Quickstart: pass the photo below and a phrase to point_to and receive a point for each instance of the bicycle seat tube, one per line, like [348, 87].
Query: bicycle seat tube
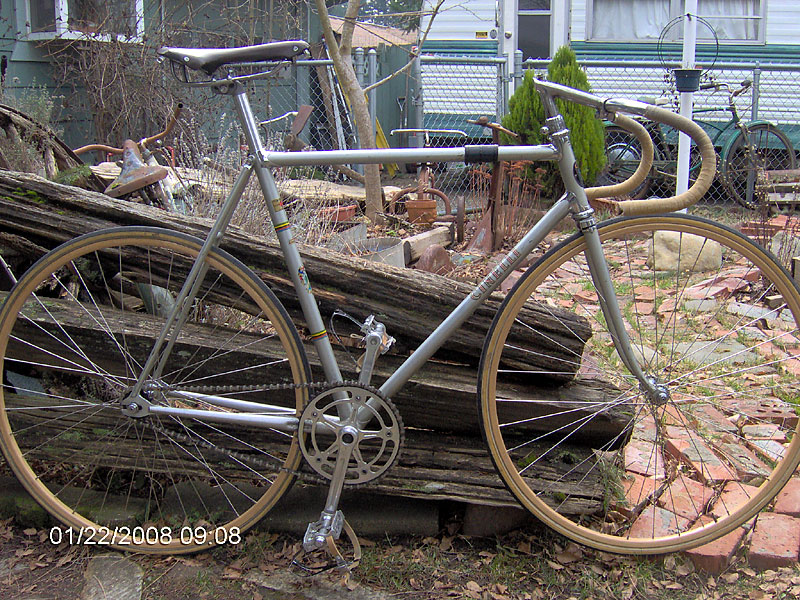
[283, 230]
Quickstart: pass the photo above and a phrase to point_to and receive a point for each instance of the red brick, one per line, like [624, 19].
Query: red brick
[775, 542]
[769, 449]
[645, 458]
[764, 431]
[637, 489]
[763, 411]
[791, 366]
[788, 501]
[686, 497]
[693, 451]
[713, 419]
[734, 495]
[715, 556]
[747, 465]
[657, 522]
[511, 280]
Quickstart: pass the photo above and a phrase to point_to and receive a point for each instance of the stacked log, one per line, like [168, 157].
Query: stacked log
[444, 456]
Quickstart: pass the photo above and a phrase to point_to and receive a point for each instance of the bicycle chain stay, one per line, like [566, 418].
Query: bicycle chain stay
[311, 477]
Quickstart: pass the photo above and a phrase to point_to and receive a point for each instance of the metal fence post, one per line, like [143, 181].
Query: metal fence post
[358, 65]
[372, 77]
[517, 69]
[502, 82]
[417, 100]
[756, 92]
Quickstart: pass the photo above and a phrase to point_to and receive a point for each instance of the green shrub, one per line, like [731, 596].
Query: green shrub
[526, 117]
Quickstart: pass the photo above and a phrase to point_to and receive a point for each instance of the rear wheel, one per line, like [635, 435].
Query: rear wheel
[74, 334]
[623, 155]
[772, 151]
[585, 449]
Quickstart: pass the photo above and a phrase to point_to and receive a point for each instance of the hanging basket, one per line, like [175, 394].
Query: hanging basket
[687, 80]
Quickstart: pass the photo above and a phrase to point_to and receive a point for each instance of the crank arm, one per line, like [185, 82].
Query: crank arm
[331, 519]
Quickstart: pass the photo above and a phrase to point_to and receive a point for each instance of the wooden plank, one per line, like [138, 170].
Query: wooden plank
[415, 245]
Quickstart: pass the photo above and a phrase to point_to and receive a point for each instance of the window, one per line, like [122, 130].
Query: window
[638, 20]
[533, 27]
[95, 19]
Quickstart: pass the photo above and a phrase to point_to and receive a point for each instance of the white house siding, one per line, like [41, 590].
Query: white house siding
[461, 20]
[783, 22]
[577, 28]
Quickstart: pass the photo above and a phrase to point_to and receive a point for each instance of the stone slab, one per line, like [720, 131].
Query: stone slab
[112, 576]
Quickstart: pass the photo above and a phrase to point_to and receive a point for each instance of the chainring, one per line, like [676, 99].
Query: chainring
[376, 446]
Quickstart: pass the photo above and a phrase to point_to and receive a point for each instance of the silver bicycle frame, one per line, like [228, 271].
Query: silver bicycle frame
[573, 202]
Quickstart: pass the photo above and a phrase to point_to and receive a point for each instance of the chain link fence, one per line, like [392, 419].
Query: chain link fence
[441, 94]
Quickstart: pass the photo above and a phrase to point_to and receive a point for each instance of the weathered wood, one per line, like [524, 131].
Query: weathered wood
[415, 245]
[431, 466]
[411, 303]
[56, 154]
[442, 396]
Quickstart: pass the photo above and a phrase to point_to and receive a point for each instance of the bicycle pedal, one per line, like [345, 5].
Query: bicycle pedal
[318, 532]
[332, 554]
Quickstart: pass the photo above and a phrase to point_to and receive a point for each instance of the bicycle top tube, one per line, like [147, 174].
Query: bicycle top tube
[467, 154]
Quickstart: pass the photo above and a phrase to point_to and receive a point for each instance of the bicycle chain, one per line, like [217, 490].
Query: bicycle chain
[303, 475]
[312, 385]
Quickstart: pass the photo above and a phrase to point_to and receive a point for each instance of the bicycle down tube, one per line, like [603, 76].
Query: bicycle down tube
[573, 202]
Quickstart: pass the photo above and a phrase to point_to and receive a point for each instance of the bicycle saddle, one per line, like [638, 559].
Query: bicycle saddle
[135, 174]
[209, 60]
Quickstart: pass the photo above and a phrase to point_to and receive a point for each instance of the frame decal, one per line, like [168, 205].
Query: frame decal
[497, 273]
[301, 272]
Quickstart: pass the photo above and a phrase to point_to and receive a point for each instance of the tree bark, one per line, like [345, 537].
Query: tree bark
[340, 53]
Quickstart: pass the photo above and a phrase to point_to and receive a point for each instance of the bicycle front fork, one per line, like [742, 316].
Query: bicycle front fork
[654, 391]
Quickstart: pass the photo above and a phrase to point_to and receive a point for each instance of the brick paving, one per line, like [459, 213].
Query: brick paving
[703, 459]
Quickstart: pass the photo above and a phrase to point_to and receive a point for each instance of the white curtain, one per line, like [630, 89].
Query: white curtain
[628, 20]
[722, 16]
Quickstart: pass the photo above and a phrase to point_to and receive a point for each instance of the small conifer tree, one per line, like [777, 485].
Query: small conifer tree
[526, 116]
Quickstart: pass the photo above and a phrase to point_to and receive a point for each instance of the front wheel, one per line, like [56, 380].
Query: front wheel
[713, 319]
[771, 151]
[74, 334]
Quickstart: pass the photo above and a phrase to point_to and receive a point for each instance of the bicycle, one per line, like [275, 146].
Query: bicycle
[199, 421]
[142, 175]
[747, 148]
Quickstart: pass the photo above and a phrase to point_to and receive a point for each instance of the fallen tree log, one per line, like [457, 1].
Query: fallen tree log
[411, 303]
[431, 466]
[442, 458]
[440, 397]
